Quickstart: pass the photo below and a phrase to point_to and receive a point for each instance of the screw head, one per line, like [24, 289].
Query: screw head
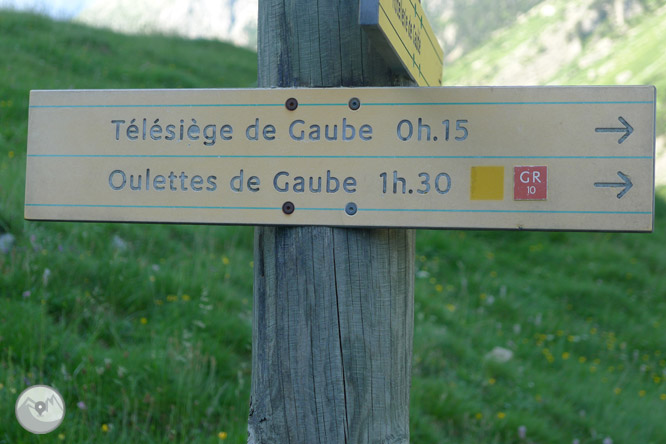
[288, 207]
[291, 104]
[351, 208]
[354, 103]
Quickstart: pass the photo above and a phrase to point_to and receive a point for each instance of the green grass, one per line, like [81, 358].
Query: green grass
[583, 314]
[636, 56]
[149, 326]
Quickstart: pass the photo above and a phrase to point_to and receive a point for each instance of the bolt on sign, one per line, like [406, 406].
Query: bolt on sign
[402, 34]
[543, 158]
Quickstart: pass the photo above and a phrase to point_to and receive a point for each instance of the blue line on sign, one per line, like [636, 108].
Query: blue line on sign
[591, 102]
[314, 156]
[502, 211]
[190, 207]
[319, 209]
[194, 105]
[405, 210]
[175, 105]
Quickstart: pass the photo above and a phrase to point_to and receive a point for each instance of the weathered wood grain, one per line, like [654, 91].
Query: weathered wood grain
[333, 307]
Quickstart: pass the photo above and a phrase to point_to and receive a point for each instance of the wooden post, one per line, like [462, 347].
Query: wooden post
[333, 308]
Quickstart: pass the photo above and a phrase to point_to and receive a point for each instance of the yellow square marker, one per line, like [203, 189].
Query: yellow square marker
[487, 183]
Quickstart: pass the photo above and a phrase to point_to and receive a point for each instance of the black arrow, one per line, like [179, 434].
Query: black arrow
[626, 184]
[627, 130]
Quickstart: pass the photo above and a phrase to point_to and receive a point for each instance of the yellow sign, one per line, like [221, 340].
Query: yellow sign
[402, 32]
[562, 158]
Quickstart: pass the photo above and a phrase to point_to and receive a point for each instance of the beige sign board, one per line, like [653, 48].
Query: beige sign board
[555, 158]
[400, 31]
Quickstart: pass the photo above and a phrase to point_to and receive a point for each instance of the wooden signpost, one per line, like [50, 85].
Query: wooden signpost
[333, 307]
[562, 158]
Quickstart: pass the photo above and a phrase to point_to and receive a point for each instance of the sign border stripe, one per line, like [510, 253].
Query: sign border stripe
[258, 105]
[406, 210]
[314, 156]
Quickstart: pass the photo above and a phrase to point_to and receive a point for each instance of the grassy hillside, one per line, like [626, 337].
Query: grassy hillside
[463, 25]
[146, 329]
[555, 44]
